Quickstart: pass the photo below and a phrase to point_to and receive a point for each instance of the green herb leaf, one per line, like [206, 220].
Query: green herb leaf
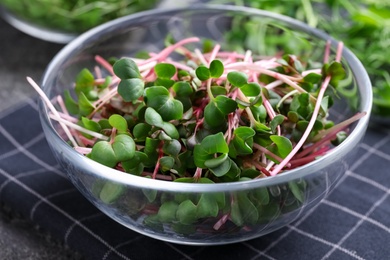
[182, 88]
[124, 147]
[84, 82]
[119, 122]
[153, 118]
[242, 141]
[131, 89]
[207, 206]
[160, 99]
[283, 144]
[251, 89]
[213, 116]
[172, 147]
[225, 105]
[277, 120]
[102, 152]
[85, 106]
[206, 150]
[216, 69]
[70, 104]
[203, 73]
[91, 124]
[111, 192]
[336, 71]
[167, 212]
[186, 212]
[166, 163]
[126, 68]
[165, 70]
[237, 78]
[141, 131]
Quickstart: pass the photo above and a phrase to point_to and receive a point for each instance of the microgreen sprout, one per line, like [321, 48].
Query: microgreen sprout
[206, 119]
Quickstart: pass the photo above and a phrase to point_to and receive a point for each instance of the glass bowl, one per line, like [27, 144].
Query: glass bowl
[63, 20]
[275, 201]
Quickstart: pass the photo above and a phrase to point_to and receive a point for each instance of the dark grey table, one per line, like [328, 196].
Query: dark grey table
[21, 56]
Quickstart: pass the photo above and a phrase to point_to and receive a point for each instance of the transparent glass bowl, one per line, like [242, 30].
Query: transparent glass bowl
[61, 21]
[138, 199]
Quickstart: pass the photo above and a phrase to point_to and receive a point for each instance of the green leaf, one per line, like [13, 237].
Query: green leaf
[118, 122]
[150, 194]
[136, 164]
[207, 206]
[235, 214]
[216, 69]
[111, 192]
[251, 89]
[203, 73]
[124, 147]
[91, 124]
[131, 89]
[153, 118]
[126, 68]
[336, 71]
[237, 79]
[215, 162]
[150, 149]
[172, 147]
[223, 166]
[186, 212]
[166, 163]
[166, 83]
[215, 144]
[70, 104]
[165, 70]
[249, 213]
[141, 131]
[283, 144]
[295, 189]
[242, 140]
[277, 120]
[167, 212]
[313, 78]
[85, 106]
[324, 106]
[160, 99]
[170, 130]
[213, 116]
[293, 116]
[102, 152]
[182, 89]
[218, 90]
[225, 105]
[261, 196]
[215, 112]
[206, 150]
[84, 82]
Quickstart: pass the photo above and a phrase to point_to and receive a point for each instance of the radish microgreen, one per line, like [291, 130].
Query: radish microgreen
[221, 121]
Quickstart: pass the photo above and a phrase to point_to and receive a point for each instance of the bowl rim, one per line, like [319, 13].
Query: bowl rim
[128, 179]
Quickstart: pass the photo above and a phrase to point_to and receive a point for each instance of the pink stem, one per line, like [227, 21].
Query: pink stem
[168, 50]
[104, 63]
[280, 166]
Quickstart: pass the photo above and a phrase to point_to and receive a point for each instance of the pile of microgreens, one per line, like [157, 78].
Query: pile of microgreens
[219, 116]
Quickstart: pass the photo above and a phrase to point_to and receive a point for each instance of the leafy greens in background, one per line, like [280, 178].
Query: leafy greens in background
[363, 26]
[74, 15]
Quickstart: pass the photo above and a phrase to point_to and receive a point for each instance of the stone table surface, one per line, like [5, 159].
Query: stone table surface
[21, 56]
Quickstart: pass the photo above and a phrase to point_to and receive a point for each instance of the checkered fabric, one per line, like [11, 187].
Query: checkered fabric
[352, 223]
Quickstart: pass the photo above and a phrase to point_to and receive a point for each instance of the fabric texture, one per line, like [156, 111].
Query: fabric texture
[351, 223]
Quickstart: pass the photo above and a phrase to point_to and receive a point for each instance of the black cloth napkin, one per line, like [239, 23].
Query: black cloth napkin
[351, 223]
